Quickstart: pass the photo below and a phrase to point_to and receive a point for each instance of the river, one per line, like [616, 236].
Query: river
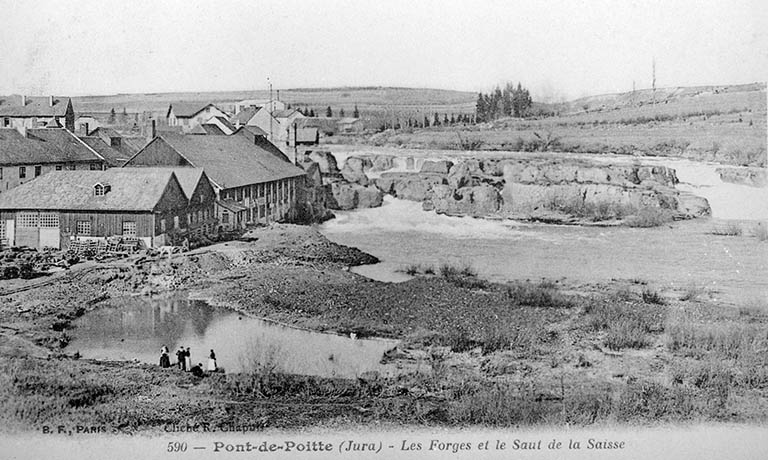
[674, 257]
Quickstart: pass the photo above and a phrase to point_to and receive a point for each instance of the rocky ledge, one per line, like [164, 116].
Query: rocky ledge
[570, 191]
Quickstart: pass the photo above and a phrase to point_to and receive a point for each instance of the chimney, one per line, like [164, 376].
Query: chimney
[50, 101]
[152, 132]
[23, 100]
[278, 94]
[85, 126]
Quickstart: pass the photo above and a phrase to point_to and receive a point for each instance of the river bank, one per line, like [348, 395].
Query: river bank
[488, 353]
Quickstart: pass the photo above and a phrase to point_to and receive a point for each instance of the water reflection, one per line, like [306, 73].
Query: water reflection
[136, 328]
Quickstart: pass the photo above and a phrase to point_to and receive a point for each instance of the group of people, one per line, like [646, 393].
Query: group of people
[184, 361]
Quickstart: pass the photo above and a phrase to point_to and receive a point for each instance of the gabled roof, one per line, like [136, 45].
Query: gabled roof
[254, 130]
[284, 113]
[44, 145]
[244, 116]
[10, 106]
[188, 109]
[224, 123]
[228, 161]
[135, 189]
[113, 156]
[188, 177]
[212, 130]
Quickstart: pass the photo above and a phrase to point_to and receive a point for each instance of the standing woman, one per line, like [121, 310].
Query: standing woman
[188, 359]
[165, 361]
[212, 362]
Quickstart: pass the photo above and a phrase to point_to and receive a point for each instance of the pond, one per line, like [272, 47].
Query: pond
[136, 328]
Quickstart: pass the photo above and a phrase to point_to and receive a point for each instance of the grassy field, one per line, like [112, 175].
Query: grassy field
[727, 126]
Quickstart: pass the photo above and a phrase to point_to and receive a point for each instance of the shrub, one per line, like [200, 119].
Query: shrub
[543, 295]
[652, 297]
[692, 292]
[649, 217]
[627, 325]
[412, 269]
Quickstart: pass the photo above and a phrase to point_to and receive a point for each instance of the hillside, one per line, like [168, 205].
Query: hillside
[368, 99]
[725, 123]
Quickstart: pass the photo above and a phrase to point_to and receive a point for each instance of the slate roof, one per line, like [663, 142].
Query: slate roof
[245, 115]
[113, 156]
[284, 113]
[212, 130]
[188, 177]
[135, 189]
[230, 161]
[10, 106]
[188, 109]
[44, 145]
[226, 123]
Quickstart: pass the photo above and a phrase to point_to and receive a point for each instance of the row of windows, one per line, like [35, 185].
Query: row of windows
[83, 228]
[39, 169]
[192, 218]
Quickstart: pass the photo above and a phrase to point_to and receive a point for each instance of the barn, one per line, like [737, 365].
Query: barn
[148, 204]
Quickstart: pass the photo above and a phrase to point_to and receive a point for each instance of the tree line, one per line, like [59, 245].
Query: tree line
[510, 101]
[310, 112]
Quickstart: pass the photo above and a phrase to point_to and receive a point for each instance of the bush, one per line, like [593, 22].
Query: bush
[649, 217]
[627, 325]
[543, 295]
[652, 297]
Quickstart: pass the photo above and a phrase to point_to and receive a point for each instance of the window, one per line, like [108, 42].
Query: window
[72, 167]
[162, 225]
[175, 221]
[38, 170]
[59, 167]
[95, 167]
[129, 228]
[22, 172]
[6, 122]
[1, 173]
[49, 220]
[189, 219]
[84, 227]
[27, 220]
[224, 217]
[98, 190]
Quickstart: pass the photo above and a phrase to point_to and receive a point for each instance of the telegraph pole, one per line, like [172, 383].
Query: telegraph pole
[653, 84]
[271, 110]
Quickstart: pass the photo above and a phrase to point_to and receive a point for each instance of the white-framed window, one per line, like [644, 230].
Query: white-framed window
[22, 172]
[224, 217]
[84, 227]
[38, 170]
[129, 228]
[27, 219]
[98, 190]
[2, 232]
[59, 167]
[49, 220]
[95, 167]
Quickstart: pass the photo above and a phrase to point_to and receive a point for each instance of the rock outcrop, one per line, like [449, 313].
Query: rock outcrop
[438, 167]
[478, 201]
[541, 188]
[354, 170]
[409, 186]
[345, 196]
[753, 177]
[325, 160]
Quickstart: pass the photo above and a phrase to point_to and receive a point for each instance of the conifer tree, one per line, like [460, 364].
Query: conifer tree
[328, 112]
[356, 113]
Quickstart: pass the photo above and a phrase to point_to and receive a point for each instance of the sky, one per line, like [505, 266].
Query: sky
[558, 49]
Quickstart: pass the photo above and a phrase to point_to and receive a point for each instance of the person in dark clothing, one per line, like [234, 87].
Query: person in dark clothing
[212, 367]
[197, 370]
[165, 360]
[181, 357]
